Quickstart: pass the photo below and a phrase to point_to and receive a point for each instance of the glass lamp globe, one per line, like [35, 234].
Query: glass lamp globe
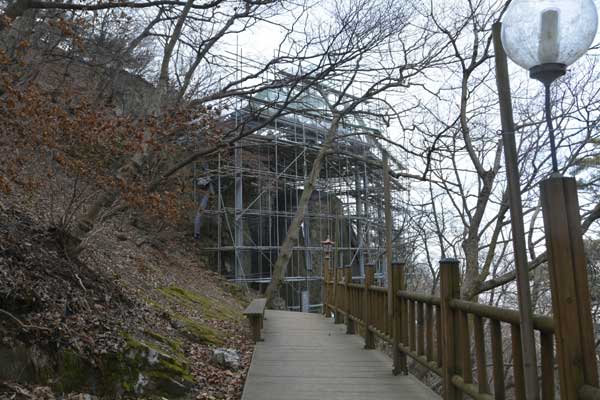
[550, 33]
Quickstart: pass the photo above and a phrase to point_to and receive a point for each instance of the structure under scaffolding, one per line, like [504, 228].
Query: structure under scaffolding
[250, 195]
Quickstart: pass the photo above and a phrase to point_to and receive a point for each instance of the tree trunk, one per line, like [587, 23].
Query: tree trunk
[163, 79]
[126, 173]
[285, 252]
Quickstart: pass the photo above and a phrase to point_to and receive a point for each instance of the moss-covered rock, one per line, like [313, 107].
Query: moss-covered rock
[73, 373]
[152, 365]
[143, 368]
[151, 371]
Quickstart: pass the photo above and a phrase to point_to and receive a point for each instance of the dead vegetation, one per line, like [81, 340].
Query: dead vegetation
[128, 288]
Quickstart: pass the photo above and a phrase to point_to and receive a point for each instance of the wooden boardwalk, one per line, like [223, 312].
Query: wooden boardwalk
[305, 357]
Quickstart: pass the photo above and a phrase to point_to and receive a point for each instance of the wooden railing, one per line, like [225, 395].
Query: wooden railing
[453, 338]
[420, 335]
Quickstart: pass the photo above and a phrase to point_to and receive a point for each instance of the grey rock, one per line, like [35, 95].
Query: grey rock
[226, 358]
[177, 324]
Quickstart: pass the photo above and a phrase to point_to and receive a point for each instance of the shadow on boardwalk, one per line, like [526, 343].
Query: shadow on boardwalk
[305, 356]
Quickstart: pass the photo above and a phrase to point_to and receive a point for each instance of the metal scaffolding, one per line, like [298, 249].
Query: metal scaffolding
[256, 186]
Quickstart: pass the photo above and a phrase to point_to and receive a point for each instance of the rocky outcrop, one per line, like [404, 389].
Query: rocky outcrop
[141, 369]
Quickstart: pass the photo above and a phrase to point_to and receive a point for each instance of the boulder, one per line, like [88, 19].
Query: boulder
[226, 358]
[153, 372]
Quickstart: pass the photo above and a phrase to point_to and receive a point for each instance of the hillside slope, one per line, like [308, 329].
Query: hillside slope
[134, 316]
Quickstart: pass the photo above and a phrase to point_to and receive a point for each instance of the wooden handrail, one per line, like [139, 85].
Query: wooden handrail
[431, 365]
[421, 298]
[541, 323]
[416, 330]
[378, 289]
[470, 389]
[436, 331]
[419, 323]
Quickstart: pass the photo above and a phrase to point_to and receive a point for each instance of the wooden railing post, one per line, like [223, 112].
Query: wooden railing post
[325, 283]
[398, 319]
[570, 292]
[326, 258]
[350, 328]
[333, 276]
[450, 289]
[338, 293]
[369, 279]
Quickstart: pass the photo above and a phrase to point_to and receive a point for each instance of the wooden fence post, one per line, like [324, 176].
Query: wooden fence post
[450, 289]
[369, 279]
[398, 319]
[569, 284]
[338, 293]
[326, 284]
[350, 328]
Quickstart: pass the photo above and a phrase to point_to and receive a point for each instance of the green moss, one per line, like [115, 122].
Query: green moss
[168, 369]
[74, 373]
[174, 345]
[115, 375]
[211, 309]
[199, 332]
[119, 374]
[157, 306]
[127, 386]
[141, 346]
[132, 343]
[238, 292]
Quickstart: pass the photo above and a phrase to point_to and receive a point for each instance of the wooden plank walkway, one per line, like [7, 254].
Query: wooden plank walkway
[305, 356]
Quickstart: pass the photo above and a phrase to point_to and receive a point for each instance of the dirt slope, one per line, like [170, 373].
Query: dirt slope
[135, 316]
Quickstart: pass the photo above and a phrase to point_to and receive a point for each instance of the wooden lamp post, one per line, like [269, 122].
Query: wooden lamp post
[544, 37]
[327, 246]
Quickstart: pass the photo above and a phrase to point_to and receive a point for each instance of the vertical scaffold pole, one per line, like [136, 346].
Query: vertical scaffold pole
[239, 206]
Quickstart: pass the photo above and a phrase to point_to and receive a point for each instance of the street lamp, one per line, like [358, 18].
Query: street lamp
[546, 36]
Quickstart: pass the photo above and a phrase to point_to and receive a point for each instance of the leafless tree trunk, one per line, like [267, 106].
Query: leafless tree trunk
[163, 79]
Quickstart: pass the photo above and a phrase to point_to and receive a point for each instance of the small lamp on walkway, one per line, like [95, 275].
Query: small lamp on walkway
[546, 36]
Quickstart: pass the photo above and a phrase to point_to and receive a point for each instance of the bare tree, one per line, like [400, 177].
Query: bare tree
[385, 57]
[458, 123]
